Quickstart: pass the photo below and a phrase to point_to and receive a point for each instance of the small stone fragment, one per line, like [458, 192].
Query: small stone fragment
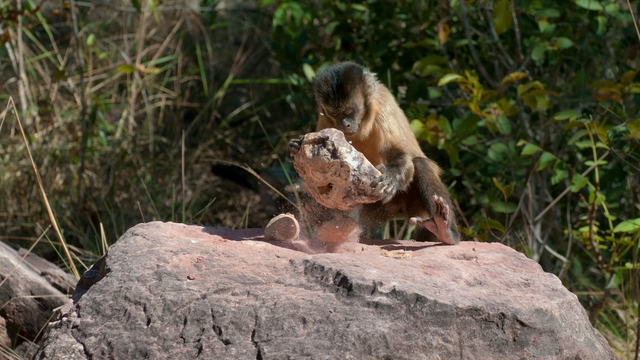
[283, 227]
[398, 254]
[191, 277]
[338, 231]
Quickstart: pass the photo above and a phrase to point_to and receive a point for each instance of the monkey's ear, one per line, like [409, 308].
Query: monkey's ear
[371, 81]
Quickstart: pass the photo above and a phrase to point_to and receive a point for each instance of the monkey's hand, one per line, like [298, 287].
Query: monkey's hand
[438, 224]
[388, 184]
[293, 148]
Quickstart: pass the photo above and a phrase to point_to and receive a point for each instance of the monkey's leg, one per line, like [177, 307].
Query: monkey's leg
[438, 224]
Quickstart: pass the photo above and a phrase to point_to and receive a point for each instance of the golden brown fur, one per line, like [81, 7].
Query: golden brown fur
[351, 99]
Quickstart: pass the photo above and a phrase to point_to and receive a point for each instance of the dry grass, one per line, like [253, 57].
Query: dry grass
[105, 97]
[121, 113]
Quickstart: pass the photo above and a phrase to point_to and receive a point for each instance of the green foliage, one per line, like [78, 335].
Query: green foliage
[543, 102]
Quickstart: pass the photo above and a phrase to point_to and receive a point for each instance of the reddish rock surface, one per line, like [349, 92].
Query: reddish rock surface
[336, 174]
[250, 299]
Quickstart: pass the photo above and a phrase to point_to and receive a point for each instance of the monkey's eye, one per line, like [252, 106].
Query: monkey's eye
[348, 111]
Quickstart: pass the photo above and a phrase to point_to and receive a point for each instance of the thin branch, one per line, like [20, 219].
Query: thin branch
[593, 208]
[635, 23]
[566, 191]
[22, 75]
[516, 29]
[510, 63]
[472, 49]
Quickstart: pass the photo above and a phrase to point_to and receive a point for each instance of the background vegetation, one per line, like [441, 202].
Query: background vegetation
[529, 106]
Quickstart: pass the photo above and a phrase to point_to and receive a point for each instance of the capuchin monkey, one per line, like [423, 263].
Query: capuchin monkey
[352, 100]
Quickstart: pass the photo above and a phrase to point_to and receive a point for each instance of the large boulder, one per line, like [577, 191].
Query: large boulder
[174, 291]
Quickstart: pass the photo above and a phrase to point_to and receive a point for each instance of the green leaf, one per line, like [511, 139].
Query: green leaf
[266, 2]
[490, 224]
[633, 88]
[417, 127]
[524, 88]
[599, 163]
[470, 141]
[448, 78]
[545, 160]
[514, 76]
[628, 226]
[612, 8]
[566, 114]
[308, 71]
[506, 191]
[538, 52]
[91, 39]
[559, 172]
[576, 136]
[59, 74]
[503, 124]
[564, 43]
[530, 149]
[578, 182]
[434, 93]
[545, 27]
[583, 144]
[498, 152]
[331, 26]
[359, 7]
[536, 102]
[127, 69]
[502, 18]
[465, 127]
[549, 13]
[452, 151]
[590, 5]
[602, 25]
[503, 207]
[136, 4]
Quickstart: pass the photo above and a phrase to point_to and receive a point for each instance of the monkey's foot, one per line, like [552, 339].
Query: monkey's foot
[438, 224]
[283, 228]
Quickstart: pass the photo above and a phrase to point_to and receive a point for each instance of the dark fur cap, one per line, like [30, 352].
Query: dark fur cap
[337, 83]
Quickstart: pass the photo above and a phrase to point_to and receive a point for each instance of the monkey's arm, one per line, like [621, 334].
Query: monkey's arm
[397, 173]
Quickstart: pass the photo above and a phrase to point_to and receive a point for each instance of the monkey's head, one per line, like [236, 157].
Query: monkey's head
[343, 93]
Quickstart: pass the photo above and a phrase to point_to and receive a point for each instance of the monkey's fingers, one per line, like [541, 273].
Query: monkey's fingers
[380, 183]
[387, 197]
[293, 147]
[381, 168]
[385, 187]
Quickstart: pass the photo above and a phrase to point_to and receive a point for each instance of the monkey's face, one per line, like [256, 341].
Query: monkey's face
[345, 118]
[342, 93]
